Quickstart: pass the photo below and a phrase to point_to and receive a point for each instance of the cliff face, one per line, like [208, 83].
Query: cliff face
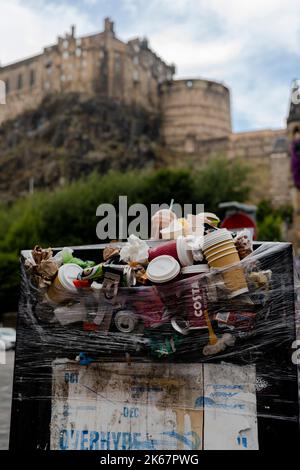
[69, 136]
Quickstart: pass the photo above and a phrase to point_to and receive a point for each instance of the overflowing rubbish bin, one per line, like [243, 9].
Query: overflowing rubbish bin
[157, 345]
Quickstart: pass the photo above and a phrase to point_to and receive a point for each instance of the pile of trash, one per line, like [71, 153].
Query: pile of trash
[192, 282]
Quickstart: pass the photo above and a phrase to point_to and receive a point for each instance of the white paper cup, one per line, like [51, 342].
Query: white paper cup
[62, 287]
[184, 252]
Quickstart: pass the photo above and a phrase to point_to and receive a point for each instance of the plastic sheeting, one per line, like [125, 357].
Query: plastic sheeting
[189, 321]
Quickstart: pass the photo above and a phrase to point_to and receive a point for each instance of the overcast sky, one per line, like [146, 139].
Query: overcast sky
[253, 46]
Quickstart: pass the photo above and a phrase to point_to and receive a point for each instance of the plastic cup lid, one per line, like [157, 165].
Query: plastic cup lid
[163, 269]
[195, 269]
[215, 237]
[175, 228]
[67, 274]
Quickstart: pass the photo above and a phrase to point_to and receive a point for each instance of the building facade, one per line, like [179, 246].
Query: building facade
[196, 114]
[128, 72]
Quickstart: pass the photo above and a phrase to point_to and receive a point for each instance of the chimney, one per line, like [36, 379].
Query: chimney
[73, 31]
[109, 26]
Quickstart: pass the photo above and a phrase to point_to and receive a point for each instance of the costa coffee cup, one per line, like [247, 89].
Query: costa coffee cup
[150, 307]
[193, 303]
[62, 287]
[178, 249]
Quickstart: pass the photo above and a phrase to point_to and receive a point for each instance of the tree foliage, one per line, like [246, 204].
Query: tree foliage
[67, 216]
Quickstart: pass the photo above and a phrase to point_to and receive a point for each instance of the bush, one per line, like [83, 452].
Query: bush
[270, 220]
[270, 228]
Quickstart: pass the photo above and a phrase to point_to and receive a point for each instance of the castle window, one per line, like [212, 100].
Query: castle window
[66, 44]
[190, 144]
[62, 77]
[189, 84]
[7, 86]
[78, 42]
[65, 55]
[136, 60]
[135, 76]
[32, 78]
[20, 81]
[78, 52]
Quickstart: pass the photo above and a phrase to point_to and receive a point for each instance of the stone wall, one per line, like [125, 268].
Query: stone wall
[270, 166]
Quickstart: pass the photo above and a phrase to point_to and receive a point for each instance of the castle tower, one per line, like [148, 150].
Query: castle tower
[194, 111]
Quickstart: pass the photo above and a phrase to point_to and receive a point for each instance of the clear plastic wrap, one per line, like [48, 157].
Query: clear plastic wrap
[194, 346]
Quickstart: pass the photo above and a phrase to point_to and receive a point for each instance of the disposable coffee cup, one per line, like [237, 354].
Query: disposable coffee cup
[164, 248]
[161, 220]
[223, 259]
[178, 249]
[233, 275]
[192, 300]
[149, 306]
[221, 253]
[212, 239]
[163, 269]
[235, 281]
[221, 245]
[185, 254]
[62, 287]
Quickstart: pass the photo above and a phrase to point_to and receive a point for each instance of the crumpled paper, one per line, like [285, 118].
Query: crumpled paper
[135, 251]
[41, 266]
[110, 252]
[195, 243]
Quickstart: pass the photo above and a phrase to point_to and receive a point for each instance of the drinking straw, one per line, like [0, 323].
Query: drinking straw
[171, 204]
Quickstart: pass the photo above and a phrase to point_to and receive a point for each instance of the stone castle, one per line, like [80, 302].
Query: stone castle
[196, 115]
